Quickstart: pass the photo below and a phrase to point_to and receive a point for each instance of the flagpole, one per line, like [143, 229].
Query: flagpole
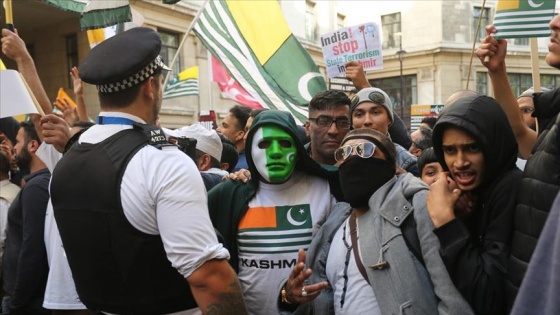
[535, 69]
[9, 16]
[474, 42]
[196, 17]
[211, 76]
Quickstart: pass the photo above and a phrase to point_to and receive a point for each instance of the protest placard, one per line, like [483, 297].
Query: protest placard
[15, 96]
[361, 43]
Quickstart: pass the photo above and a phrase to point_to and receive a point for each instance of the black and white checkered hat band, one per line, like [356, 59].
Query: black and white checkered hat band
[135, 79]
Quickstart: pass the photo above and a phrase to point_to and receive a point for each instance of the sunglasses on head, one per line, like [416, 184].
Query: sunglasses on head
[326, 121]
[375, 96]
[364, 150]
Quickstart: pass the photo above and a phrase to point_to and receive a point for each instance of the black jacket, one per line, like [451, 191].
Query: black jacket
[25, 262]
[475, 248]
[540, 184]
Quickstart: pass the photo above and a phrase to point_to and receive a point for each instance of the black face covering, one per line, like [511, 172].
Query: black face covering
[360, 178]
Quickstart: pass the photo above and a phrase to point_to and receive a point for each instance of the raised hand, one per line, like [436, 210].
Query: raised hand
[441, 199]
[297, 290]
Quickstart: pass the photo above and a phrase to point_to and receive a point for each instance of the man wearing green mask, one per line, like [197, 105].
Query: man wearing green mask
[264, 222]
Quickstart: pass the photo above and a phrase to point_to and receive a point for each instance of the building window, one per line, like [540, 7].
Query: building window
[520, 82]
[392, 86]
[170, 44]
[481, 83]
[391, 24]
[310, 21]
[519, 41]
[484, 20]
[340, 20]
[71, 56]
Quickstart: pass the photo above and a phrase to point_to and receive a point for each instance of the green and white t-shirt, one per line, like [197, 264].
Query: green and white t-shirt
[280, 220]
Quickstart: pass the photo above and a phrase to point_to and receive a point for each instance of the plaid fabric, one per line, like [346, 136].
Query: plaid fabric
[133, 80]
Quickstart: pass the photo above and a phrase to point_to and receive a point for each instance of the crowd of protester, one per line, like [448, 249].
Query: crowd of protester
[349, 213]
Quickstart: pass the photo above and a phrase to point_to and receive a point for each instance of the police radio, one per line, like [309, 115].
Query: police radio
[188, 146]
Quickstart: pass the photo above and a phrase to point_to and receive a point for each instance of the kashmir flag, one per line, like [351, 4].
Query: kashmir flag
[185, 83]
[96, 36]
[96, 14]
[281, 229]
[230, 88]
[523, 18]
[253, 41]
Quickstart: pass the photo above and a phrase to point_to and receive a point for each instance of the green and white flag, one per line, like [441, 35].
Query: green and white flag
[523, 18]
[185, 83]
[95, 13]
[254, 43]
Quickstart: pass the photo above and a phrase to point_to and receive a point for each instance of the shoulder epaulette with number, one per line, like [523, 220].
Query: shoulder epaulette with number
[156, 136]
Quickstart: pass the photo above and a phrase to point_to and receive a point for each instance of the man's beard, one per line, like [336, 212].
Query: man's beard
[23, 159]
[155, 110]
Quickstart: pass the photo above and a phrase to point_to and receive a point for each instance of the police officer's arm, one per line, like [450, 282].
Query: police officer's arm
[496, 50]
[215, 287]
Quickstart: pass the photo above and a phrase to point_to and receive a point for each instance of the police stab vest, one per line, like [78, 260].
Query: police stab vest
[116, 268]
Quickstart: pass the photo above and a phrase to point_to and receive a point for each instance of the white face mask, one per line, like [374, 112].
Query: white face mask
[274, 154]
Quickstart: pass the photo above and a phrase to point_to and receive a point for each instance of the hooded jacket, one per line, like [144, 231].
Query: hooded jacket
[228, 201]
[407, 286]
[539, 186]
[475, 248]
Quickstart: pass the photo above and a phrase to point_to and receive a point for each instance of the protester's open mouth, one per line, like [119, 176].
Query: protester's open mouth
[465, 178]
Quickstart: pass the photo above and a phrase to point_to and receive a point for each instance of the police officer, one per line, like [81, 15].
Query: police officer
[131, 210]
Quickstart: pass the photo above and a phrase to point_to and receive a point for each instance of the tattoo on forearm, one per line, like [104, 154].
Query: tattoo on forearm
[230, 302]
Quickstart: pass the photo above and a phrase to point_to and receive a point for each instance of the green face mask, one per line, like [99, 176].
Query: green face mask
[274, 153]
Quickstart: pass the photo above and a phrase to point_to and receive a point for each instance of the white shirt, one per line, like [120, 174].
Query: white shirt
[60, 292]
[359, 297]
[280, 220]
[162, 193]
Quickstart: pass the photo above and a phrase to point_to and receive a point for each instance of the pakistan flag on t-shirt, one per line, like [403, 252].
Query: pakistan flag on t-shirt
[282, 229]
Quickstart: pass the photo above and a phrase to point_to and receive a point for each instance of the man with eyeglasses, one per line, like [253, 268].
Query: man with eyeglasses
[377, 254]
[421, 140]
[329, 121]
[527, 106]
[264, 221]
[372, 108]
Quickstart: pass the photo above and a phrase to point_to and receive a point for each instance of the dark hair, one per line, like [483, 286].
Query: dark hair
[428, 156]
[229, 152]
[124, 98]
[241, 114]
[385, 141]
[83, 124]
[430, 121]
[213, 162]
[256, 111]
[29, 131]
[425, 140]
[4, 164]
[329, 99]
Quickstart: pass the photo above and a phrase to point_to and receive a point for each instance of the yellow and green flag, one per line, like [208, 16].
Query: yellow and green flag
[254, 43]
[523, 18]
[185, 83]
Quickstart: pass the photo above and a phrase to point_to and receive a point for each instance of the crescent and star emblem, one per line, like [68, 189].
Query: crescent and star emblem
[291, 219]
[533, 4]
[302, 85]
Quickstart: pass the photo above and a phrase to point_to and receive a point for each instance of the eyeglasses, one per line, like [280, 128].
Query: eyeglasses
[527, 110]
[375, 96]
[326, 121]
[364, 150]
